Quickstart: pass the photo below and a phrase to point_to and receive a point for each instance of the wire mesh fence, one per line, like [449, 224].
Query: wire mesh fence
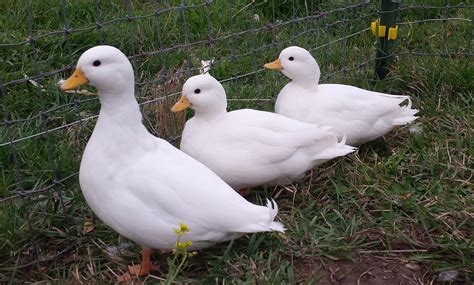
[43, 131]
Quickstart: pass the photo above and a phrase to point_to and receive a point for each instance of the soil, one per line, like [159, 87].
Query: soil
[366, 269]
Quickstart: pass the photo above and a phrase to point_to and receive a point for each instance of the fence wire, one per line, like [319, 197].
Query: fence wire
[43, 131]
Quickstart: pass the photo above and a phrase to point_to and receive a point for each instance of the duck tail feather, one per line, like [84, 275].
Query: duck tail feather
[406, 114]
[273, 211]
[343, 139]
[340, 149]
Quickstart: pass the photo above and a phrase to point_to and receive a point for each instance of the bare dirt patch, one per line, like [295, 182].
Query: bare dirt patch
[366, 269]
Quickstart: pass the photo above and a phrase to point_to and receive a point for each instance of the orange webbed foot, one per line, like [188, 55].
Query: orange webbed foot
[145, 267]
[142, 269]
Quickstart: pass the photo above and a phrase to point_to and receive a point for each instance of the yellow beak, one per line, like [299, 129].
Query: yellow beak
[181, 105]
[75, 80]
[276, 65]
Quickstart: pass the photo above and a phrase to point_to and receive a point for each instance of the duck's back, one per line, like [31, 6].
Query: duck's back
[249, 147]
[232, 150]
[361, 114]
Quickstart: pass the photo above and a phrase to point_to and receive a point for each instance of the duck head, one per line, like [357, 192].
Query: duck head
[104, 67]
[204, 94]
[297, 64]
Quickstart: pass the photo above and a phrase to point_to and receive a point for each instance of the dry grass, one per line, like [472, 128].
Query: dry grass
[165, 123]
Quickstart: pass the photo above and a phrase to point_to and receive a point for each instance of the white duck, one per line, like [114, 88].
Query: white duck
[142, 186]
[360, 114]
[247, 147]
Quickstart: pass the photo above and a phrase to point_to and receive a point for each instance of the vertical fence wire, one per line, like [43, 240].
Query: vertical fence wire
[43, 114]
[182, 12]
[275, 46]
[131, 43]
[255, 22]
[210, 37]
[20, 191]
[293, 24]
[233, 56]
[32, 46]
[445, 29]
[158, 29]
[470, 37]
[69, 57]
[98, 22]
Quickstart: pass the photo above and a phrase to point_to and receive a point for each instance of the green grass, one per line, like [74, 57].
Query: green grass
[412, 190]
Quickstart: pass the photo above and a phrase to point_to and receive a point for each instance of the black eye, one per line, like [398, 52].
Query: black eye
[197, 91]
[291, 58]
[96, 63]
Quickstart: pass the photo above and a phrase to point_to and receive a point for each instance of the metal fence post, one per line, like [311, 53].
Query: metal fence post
[386, 30]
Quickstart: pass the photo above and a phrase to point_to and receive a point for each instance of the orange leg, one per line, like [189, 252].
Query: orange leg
[243, 192]
[146, 267]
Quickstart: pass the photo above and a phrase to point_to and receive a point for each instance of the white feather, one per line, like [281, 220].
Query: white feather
[206, 66]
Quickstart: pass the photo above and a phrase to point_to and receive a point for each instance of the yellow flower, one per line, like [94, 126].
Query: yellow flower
[183, 245]
[183, 228]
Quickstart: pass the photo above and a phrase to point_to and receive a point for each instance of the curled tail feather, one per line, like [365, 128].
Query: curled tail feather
[405, 114]
[409, 103]
[343, 139]
[339, 149]
[273, 211]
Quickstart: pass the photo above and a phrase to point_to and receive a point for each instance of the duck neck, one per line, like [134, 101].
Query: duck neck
[307, 78]
[307, 83]
[210, 115]
[211, 112]
[121, 108]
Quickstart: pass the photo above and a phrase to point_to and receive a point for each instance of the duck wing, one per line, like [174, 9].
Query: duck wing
[174, 185]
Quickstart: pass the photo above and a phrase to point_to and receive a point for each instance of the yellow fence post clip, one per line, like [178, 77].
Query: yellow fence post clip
[373, 26]
[377, 29]
[380, 30]
[392, 33]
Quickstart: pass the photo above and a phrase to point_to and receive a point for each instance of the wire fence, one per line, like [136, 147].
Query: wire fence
[43, 131]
